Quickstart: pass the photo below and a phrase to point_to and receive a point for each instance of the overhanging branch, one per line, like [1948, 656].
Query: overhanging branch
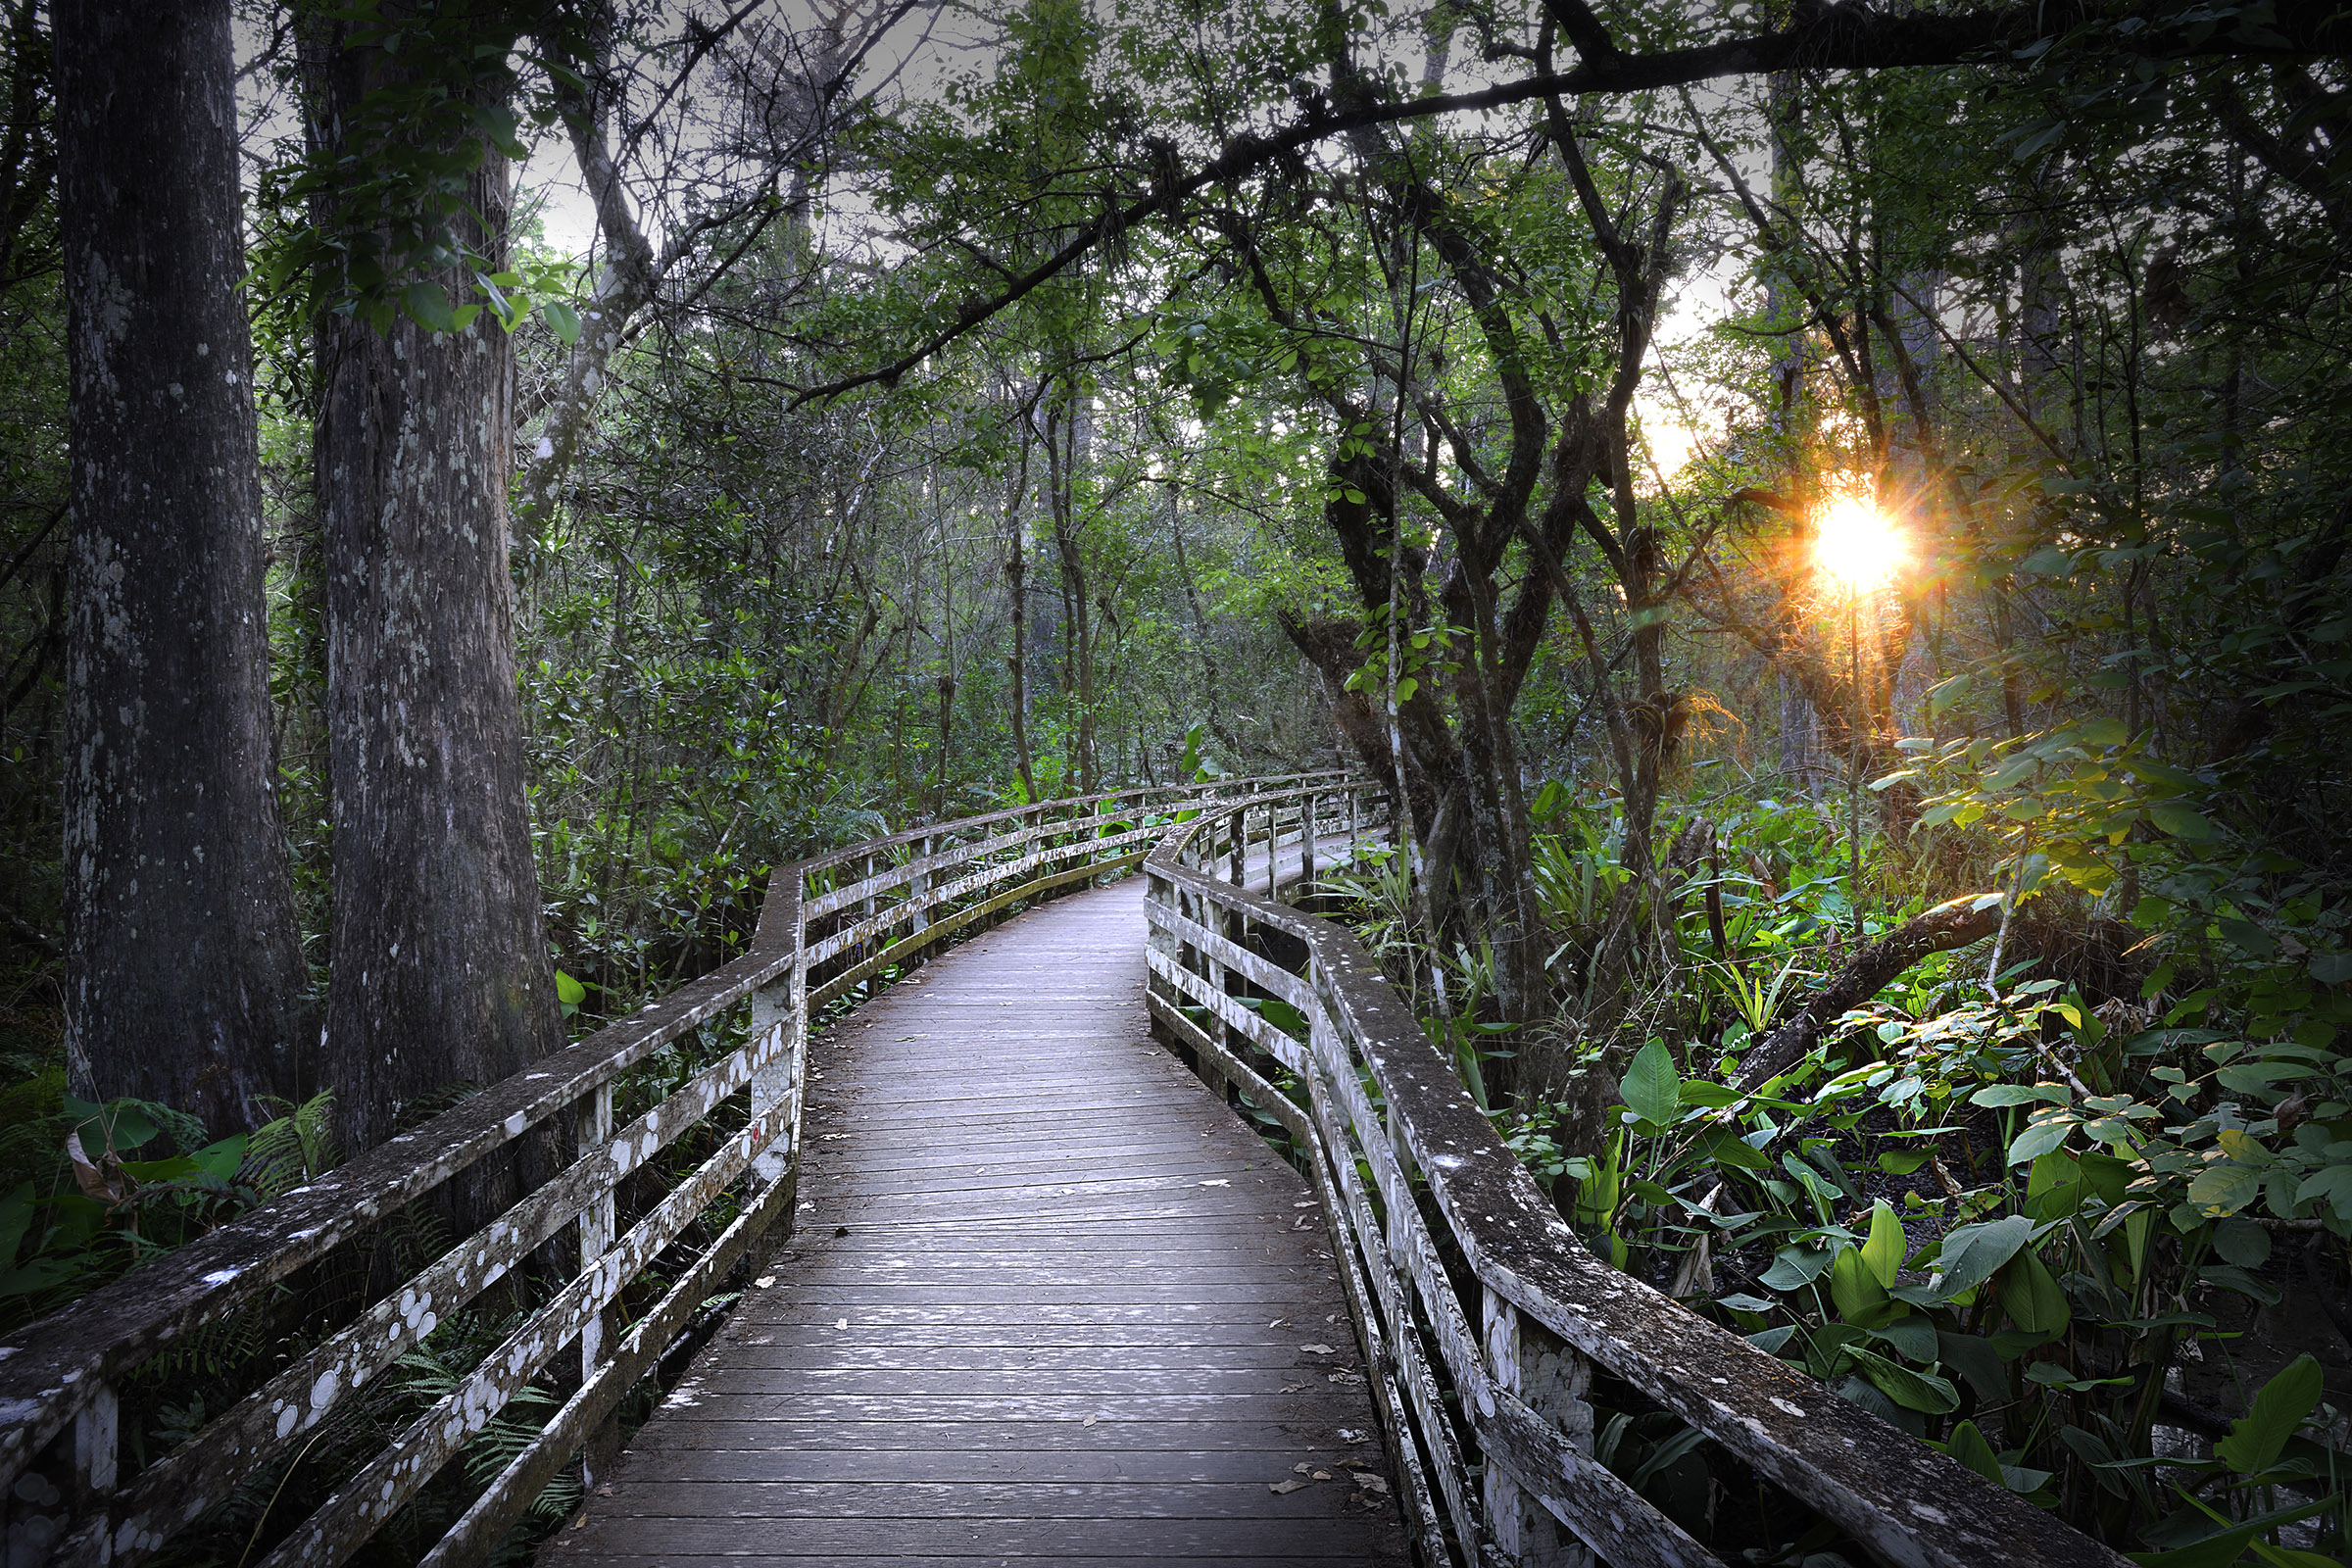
[1852, 37]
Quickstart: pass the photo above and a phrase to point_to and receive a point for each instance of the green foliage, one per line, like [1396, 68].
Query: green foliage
[396, 191]
[86, 1212]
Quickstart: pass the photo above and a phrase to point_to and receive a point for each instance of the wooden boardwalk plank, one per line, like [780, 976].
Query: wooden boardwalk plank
[1081, 1314]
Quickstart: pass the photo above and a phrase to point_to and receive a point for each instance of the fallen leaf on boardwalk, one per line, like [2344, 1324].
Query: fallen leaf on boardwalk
[1219, 1182]
[1371, 1483]
[1089, 1420]
[605, 1491]
[841, 1322]
[1280, 1322]
[1301, 1467]
[1282, 1488]
[1318, 1350]
[764, 1281]
[1347, 1379]
[1309, 1203]
[1292, 1388]
[1322, 1475]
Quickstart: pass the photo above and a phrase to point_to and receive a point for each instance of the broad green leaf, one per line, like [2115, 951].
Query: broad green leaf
[1975, 1359]
[562, 320]
[2223, 1187]
[2038, 1139]
[2241, 1241]
[2221, 1550]
[1911, 1334]
[1859, 1298]
[1913, 1390]
[2332, 1183]
[119, 1124]
[2180, 822]
[1970, 1252]
[2021, 1094]
[428, 305]
[1968, 1445]
[145, 1171]
[2103, 732]
[1652, 1090]
[2031, 1296]
[1725, 1148]
[1793, 1266]
[1883, 1254]
[2286, 1403]
[2293, 1557]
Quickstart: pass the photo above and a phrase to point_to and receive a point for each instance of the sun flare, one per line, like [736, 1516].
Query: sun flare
[1857, 544]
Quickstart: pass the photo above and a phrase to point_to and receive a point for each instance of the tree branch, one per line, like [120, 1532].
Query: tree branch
[1956, 924]
[1852, 37]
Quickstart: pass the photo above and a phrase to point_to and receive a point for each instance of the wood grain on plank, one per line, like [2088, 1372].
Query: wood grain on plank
[1077, 1315]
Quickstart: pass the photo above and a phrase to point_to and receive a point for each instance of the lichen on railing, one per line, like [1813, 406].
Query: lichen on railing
[1485, 1396]
[830, 930]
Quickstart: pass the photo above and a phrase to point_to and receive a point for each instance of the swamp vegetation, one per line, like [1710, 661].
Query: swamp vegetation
[1828, 522]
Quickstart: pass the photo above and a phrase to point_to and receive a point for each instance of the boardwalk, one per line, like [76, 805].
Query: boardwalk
[1045, 1299]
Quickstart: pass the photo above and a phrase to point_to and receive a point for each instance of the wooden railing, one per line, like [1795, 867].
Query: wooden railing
[1484, 1400]
[828, 926]
[1515, 1346]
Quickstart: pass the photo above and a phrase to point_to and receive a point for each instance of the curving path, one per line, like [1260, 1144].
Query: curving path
[1046, 1300]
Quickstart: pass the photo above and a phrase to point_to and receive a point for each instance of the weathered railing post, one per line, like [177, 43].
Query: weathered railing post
[1527, 1359]
[97, 1441]
[63, 1483]
[918, 890]
[593, 1126]
[1306, 839]
[781, 1007]
[872, 906]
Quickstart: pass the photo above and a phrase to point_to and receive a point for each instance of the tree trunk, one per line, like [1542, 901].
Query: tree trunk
[441, 968]
[185, 980]
[1016, 590]
[1212, 679]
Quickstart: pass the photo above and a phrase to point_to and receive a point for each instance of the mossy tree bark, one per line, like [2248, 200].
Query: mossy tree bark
[185, 979]
[441, 971]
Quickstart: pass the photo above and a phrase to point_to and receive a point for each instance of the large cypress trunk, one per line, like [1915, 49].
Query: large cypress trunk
[441, 974]
[185, 975]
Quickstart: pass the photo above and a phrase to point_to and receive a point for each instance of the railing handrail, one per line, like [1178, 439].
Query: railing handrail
[1903, 1499]
[56, 1371]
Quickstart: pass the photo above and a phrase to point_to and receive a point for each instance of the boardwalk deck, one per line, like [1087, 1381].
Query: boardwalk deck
[1047, 1299]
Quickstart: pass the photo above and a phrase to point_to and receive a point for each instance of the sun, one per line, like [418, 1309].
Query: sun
[1857, 544]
